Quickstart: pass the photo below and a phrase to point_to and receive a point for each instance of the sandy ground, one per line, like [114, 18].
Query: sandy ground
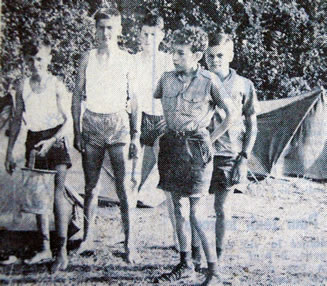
[276, 234]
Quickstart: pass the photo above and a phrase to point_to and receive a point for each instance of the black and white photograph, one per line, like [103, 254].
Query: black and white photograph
[163, 142]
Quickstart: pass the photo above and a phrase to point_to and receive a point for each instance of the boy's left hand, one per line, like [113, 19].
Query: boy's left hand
[45, 146]
[239, 170]
[133, 150]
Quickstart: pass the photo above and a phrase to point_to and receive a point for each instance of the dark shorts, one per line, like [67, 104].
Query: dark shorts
[152, 127]
[100, 129]
[57, 155]
[222, 173]
[185, 163]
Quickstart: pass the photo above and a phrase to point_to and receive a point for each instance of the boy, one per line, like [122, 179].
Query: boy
[231, 150]
[44, 103]
[104, 77]
[150, 64]
[189, 96]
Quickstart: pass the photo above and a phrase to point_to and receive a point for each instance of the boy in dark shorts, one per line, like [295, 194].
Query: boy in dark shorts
[231, 150]
[189, 96]
[150, 64]
[104, 76]
[44, 102]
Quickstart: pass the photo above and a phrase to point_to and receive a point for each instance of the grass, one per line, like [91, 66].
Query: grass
[275, 235]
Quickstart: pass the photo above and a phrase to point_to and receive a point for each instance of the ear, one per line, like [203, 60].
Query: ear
[231, 56]
[198, 55]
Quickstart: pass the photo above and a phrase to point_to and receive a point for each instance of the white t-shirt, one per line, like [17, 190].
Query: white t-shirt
[107, 82]
[147, 72]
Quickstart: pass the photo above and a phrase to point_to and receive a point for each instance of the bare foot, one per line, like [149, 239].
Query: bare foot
[132, 256]
[85, 246]
[60, 263]
[40, 257]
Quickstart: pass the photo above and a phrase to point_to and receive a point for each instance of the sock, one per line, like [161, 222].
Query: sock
[213, 268]
[218, 251]
[196, 254]
[186, 257]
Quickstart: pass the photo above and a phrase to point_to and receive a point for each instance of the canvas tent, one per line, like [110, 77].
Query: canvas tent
[292, 137]
[292, 140]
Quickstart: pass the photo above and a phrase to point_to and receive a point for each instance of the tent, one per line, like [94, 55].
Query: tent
[292, 137]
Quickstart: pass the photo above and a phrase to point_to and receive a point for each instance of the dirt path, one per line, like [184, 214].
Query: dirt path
[276, 235]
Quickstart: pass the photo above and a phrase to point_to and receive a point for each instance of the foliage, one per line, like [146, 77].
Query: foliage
[68, 26]
[279, 45]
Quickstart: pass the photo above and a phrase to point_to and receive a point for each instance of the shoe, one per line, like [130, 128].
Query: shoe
[211, 280]
[197, 267]
[180, 271]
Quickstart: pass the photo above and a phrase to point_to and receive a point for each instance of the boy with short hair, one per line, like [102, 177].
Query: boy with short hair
[150, 64]
[232, 149]
[104, 76]
[189, 96]
[43, 101]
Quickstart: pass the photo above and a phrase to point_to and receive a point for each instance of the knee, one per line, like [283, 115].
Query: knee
[180, 214]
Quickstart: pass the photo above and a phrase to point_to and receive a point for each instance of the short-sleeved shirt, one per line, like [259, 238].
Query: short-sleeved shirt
[147, 74]
[244, 97]
[190, 107]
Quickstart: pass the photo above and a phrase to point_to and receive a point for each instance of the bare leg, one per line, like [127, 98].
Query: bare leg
[171, 213]
[197, 222]
[220, 197]
[181, 215]
[43, 228]
[62, 212]
[92, 163]
[119, 156]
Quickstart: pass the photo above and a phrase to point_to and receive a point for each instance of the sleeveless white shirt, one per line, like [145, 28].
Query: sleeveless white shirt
[41, 109]
[107, 82]
[147, 74]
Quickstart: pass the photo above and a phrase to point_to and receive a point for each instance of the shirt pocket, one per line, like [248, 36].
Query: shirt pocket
[194, 103]
[169, 101]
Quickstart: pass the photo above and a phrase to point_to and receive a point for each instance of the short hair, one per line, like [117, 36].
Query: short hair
[105, 13]
[153, 21]
[193, 36]
[216, 39]
[31, 48]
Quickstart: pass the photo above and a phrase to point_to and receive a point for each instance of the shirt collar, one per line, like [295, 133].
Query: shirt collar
[197, 73]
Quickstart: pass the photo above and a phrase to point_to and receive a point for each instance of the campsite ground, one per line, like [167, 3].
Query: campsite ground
[276, 235]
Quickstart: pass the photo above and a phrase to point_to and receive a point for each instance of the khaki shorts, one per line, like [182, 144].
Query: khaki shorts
[100, 129]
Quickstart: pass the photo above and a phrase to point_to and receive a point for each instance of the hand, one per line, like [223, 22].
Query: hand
[79, 143]
[45, 146]
[239, 171]
[133, 150]
[10, 164]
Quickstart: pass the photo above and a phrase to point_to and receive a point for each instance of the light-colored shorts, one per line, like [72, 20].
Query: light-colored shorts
[99, 129]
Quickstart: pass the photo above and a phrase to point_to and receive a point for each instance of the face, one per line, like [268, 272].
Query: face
[40, 61]
[219, 57]
[151, 37]
[184, 59]
[107, 31]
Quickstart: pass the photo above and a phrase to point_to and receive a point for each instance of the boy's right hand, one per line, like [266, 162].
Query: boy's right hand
[10, 164]
[79, 143]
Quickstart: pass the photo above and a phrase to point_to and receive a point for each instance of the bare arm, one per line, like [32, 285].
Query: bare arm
[250, 133]
[77, 101]
[79, 92]
[15, 125]
[64, 104]
[225, 102]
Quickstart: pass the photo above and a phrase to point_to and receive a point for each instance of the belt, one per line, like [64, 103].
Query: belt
[185, 133]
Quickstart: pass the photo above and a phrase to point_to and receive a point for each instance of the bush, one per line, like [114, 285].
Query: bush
[280, 45]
